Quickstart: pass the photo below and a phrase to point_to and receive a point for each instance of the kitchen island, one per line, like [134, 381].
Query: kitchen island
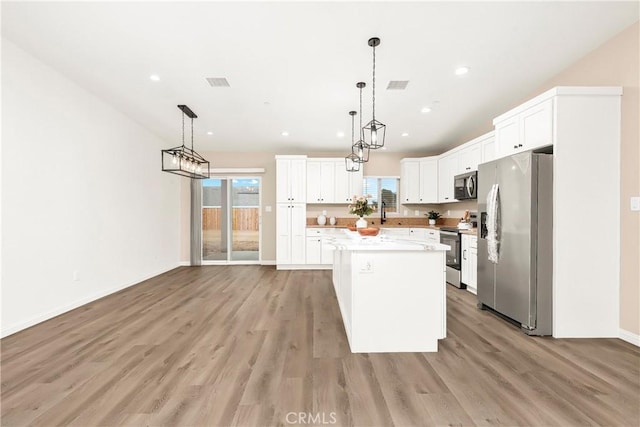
[391, 292]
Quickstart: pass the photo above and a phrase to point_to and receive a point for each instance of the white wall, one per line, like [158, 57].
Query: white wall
[82, 192]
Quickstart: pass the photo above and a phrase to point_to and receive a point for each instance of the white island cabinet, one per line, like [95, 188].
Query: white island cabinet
[391, 293]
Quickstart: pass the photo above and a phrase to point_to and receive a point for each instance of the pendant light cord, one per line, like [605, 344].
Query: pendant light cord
[192, 134]
[183, 128]
[352, 131]
[361, 113]
[374, 81]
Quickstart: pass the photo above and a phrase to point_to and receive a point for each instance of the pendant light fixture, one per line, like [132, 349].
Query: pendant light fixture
[374, 131]
[360, 148]
[351, 161]
[182, 160]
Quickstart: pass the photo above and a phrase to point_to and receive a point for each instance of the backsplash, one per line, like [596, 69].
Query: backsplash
[374, 221]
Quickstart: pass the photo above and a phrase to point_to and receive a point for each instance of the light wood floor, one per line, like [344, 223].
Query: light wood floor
[229, 345]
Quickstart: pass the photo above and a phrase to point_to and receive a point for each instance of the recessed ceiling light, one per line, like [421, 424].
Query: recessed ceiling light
[405, 134]
[340, 134]
[425, 110]
[155, 77]
[285, 133]
[461, 70]
[209, 133]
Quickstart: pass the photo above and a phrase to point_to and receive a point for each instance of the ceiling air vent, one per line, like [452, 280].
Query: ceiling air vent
[218, 82]
[397, 84]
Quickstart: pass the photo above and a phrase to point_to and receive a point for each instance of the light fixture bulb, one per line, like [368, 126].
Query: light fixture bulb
[174, 159]
[374, 134]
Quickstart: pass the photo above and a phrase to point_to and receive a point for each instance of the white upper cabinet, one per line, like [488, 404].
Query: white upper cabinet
[447, 170]
[290, 179]
[525, 130]
[429, 180]
[410, 180]
[320, 179]
[419, 180]
[328, 181]
[347, 184]
[488, 148]
[469, 158]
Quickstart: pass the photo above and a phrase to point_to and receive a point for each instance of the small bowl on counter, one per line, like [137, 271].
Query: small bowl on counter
[369, 231]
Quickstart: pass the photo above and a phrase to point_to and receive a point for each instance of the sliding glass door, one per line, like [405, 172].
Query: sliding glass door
[231, 220]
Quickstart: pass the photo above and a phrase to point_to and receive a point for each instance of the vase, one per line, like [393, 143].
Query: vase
[361, 223]
[432, 222]
[332, 220]
[322, 220]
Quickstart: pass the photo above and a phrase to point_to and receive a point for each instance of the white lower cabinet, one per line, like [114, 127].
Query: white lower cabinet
[433, 236]
[469, 267]
[317, 252]
[291, 221]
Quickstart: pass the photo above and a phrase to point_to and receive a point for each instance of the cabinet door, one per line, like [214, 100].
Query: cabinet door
[507, 137]
[473, 266]
[433, 236]
[355, 184]
[446, 172]
[283, 169]
[283, 231]
[342, 184]
[464, 267]
[428, 181]
[468, 159]
[314, 250]
[327, 182]
[488, 148]
[410, 181]
[313, 180]
[297, 180]
[536, 126]
[418, 234]
[327, 254]
[298, 232]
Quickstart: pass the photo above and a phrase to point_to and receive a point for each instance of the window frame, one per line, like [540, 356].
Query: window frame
[379, 178]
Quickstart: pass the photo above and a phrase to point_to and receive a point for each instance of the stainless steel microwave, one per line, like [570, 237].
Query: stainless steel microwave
[465, 186]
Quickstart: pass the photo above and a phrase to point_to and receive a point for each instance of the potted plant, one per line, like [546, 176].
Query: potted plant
[433, 215]
[360, 206]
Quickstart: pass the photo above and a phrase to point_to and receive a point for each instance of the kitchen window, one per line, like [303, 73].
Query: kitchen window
[384, 189]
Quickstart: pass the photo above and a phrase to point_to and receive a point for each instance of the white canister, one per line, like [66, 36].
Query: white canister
[332, 220]
[322, 218]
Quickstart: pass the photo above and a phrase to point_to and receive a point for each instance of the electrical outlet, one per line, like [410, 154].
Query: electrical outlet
[75, 275]
[267, 208]
[635, 203]
[416, 213]
[366, 266]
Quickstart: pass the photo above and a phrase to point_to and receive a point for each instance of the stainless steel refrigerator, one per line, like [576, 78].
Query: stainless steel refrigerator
[516, 228]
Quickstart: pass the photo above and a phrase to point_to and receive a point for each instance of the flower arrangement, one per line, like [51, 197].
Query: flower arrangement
[360, 206]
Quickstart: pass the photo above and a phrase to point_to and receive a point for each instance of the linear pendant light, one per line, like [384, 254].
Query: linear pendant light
[374, 131]
[351, 161]
[182, 160]
[360, 148]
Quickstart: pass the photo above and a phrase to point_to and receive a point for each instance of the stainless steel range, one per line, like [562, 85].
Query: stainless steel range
[450, 236]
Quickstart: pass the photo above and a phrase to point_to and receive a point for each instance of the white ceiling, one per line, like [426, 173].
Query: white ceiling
[294, 66]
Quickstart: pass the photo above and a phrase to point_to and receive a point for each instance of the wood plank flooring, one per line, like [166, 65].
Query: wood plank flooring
[252, 346]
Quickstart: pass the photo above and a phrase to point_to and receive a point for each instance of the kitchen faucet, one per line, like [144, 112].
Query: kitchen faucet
[383, 213]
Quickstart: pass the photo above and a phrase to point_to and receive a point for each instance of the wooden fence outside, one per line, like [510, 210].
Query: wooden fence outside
[244, 219]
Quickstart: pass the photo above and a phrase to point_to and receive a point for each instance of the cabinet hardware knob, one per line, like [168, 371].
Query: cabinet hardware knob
[515, 146]
[519, 145]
